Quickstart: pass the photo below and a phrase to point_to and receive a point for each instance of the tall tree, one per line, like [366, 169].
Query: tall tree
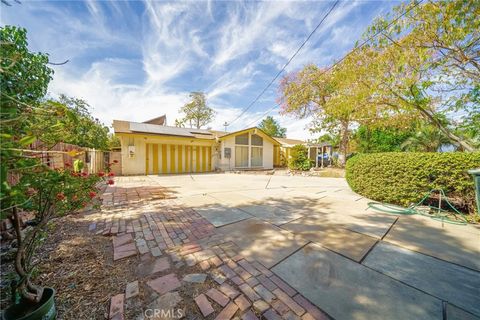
[424, 65]
[272, 127]
[197, 113]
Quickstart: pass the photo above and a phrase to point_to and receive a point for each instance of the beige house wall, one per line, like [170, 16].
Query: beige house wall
[229, 142]
[153, 154]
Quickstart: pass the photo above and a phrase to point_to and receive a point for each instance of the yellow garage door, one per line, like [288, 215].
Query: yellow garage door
[173, 158]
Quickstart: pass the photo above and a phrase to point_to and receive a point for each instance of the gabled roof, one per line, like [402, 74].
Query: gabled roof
[139, 127]
[273, 140]
[289, 142]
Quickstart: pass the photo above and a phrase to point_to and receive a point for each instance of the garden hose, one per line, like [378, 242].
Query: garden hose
[436, 213]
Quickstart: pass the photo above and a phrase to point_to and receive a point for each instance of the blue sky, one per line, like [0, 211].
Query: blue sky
[134, 60]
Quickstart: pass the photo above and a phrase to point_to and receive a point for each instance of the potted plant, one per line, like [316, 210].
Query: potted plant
[47, 193]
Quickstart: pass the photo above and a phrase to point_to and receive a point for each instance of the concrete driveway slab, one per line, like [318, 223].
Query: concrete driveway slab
[219, 215]
[348, 290]
[454, 313]
[198, 200]
[231, 199]
[453, 243]
[272, 214]
[351, 214]
[351, 244]
[262, 241]
[447, 281]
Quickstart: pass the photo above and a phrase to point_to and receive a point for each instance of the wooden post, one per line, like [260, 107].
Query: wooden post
[322, 157]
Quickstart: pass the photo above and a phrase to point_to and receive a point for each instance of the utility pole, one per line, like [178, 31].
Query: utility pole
[225, 125]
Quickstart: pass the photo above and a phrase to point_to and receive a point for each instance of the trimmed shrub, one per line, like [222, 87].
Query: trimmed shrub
[299, 158]
[404, 178]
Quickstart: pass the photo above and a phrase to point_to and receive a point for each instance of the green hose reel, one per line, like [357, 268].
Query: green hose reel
[452, 216]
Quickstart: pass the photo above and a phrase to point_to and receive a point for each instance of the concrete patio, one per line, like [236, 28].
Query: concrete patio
[352, 263]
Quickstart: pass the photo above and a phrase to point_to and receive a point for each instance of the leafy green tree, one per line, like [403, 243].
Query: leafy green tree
[427, 139]
[78, 127]
[426, 66]
[381, 139]
[332, 139]
[25, 116]
[197, 113]
[272, 127]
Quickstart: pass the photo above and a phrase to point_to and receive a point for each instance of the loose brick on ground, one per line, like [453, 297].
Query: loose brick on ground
[229, 291]
[216, 261]
[228, 312]
[242, 302]
[131, 289]
[261, 306]
[249, 315]
[252, 281]
[237, 280]
[164, 284]
[249, 292]
[204, 265]
[116, 305]
[204, 305]
[229, 273]
[218, 297]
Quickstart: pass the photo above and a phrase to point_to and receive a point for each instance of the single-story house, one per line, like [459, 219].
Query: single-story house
[152, 147]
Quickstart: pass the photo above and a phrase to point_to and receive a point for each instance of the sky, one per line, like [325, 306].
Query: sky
[136, 60]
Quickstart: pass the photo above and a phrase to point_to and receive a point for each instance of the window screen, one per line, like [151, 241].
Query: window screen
[241, 157]
[242, 139]
[257, 156]
[257, 140]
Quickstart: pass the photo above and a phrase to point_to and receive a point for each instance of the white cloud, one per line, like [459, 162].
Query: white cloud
[138, 60]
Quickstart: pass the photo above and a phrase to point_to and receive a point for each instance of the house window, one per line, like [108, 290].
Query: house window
[257, 156]
[257, 140]
[241, 156]
[242, 139]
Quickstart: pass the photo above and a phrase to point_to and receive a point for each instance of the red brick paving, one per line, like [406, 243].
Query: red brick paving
[228, 312]
[218, 297]
[242, 303]
[164, 229]
[116, 306]
[164, 284]
[205, 306]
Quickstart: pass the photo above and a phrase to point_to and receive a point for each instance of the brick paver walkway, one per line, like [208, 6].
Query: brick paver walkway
[183, 263]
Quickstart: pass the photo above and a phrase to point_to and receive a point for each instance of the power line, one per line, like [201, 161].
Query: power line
[352, 51]
[286, 64]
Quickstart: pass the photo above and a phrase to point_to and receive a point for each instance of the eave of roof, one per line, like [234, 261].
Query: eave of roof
[247, 130]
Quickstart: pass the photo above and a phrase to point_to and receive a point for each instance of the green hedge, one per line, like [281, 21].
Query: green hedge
[404, 177]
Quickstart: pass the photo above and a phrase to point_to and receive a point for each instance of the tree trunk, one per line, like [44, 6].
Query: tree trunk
[454, 138]
[27, 290]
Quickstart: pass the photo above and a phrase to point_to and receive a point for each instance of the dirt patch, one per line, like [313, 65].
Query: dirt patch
[79, 266]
